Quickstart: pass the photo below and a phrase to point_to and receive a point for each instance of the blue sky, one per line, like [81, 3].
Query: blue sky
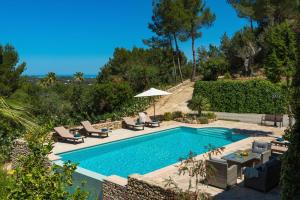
[66, 36]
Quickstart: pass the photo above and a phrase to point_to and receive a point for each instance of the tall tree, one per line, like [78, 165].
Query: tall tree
[10, 70]
[212, 61]
[244, 9]
[198, 17]
[167, 20]
[281, 52]
[266, 12]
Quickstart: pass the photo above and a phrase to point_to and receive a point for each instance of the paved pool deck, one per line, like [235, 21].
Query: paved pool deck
[254, 131]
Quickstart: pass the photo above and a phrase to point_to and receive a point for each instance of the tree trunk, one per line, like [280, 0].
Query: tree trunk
[178, 56]
[173, 60]
[194, 59]
[290, 115]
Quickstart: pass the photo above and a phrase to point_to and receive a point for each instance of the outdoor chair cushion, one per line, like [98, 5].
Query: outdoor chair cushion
[250, 172]
[219, 160]
[142, 118]
[260, 147]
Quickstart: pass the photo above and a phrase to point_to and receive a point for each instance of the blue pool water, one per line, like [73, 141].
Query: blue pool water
[150, 152]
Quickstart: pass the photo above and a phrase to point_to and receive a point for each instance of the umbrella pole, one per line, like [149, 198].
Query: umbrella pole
[154, 110]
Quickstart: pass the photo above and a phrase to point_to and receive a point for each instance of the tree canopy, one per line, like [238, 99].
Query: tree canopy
[10, 70]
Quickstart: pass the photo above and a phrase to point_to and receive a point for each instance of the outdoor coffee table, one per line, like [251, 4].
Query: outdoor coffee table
[236, 158]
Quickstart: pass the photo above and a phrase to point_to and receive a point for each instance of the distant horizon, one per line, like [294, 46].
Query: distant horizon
[82, 35]
[60, 75]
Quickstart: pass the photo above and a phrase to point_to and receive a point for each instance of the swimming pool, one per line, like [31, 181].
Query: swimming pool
[150, 152]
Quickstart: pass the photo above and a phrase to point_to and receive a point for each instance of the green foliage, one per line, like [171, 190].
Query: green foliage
[266, 13]
[241, 51]
[14, 121]
[227, 75]
[145, 76]
[290, 174]
[8, 133]
[281, 52]
[197, 16]
[33, 179]
[168, 116]
[10, 70]
[209, 115]
[177, 114]
[203, 120]
[254, 96]
[49, 80]
[199, 103]
[213, 62]
[167, 21]
[141, 68]
[108, 97]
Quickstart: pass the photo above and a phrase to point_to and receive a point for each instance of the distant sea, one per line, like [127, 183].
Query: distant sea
[86, 76]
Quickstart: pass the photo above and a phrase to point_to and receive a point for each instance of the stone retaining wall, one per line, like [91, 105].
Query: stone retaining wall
[114, 191]
[136, 189]
[113, 125]
[20, 149]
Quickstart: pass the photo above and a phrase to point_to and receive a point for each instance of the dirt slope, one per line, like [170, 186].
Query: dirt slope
[177, 101]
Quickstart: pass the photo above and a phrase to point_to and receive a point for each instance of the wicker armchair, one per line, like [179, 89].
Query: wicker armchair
[263, 151]
[222, 176]
[268, 176]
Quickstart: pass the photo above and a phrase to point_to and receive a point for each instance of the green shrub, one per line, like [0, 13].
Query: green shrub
[203, 120]
[210, 115]
[253, 96]
[227, 75]
[199, 103]
[168, 116]
[177, 114]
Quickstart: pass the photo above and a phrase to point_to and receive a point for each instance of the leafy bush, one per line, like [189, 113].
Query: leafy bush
[253, 96]
[203, 120]
[9, 131]
[108, 97]
[210, 115]
[199, 103]
[168, 116]
[177, 114]
[227, 75]
[33, 179]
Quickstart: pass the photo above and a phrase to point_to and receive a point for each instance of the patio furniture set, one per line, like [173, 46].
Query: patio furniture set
[260, 168]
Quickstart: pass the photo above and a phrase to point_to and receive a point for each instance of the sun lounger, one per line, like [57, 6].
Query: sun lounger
[132, 124]
[64, 134]
[91, 130]
[144, 118]
[151, 123]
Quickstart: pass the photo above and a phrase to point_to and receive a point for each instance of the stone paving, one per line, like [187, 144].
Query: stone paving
[255, 132]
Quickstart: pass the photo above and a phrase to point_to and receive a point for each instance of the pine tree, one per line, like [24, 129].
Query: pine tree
[10, 70]
[198, 17]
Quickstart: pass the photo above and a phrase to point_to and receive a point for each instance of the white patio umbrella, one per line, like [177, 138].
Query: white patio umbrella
[152, 92]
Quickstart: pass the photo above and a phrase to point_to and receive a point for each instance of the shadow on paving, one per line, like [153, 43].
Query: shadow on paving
[253, 133]
[240, 192]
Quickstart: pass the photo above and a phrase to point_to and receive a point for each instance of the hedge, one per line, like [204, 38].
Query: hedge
[251, 96]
